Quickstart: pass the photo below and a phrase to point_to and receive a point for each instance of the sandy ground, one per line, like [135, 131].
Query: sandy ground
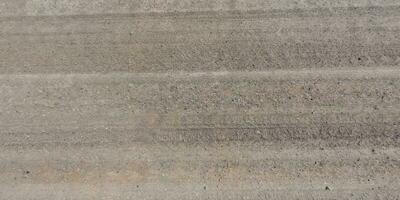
[199, 99]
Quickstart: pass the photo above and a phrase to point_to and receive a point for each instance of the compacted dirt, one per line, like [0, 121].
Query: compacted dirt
[199, 99]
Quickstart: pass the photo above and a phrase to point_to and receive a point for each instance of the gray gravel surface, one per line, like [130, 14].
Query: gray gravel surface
[199, 99]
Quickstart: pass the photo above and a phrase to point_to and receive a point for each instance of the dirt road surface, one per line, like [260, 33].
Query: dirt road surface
[199, 99]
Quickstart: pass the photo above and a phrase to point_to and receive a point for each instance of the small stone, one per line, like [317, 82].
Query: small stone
[327, 188]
